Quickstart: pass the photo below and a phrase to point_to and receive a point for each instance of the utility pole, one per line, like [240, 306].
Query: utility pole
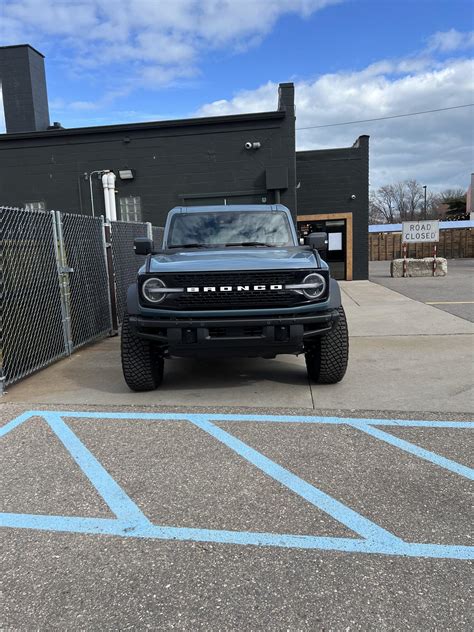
[424, 187]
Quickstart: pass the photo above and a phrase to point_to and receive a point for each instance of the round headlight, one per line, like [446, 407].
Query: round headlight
[152, 290]
[316, 285]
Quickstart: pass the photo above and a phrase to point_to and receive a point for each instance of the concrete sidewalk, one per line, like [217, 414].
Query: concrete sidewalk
[404, 356]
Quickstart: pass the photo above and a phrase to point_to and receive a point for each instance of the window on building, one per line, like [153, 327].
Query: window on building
[35, 206]
[131, 208]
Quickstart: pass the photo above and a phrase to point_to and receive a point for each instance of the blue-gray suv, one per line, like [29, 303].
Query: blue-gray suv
[233, 281]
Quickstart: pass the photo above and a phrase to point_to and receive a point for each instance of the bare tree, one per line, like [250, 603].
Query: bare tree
[400, 202]
[415, 199]
[382, 207]
[452, 194]
[433, 204]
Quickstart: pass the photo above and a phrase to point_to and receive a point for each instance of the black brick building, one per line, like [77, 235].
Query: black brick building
[181, 162]
[333, 195]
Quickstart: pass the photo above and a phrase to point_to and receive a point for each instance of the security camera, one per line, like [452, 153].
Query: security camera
[252, 145]
[353, 196]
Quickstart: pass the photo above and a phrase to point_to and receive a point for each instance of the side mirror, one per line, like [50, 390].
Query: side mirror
[143, 246]
[318, 241]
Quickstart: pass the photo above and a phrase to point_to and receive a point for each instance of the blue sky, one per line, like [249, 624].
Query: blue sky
[138, 60]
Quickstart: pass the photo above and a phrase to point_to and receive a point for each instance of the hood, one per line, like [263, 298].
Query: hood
[246, 258]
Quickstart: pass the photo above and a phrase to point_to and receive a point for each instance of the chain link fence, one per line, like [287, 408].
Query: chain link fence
[82, 250]
[58, 288]
[31, 308]
[126, 262]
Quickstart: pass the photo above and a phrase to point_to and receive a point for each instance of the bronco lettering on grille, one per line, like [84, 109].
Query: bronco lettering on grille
[230, 288]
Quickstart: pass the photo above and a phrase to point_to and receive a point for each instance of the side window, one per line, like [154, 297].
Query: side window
[35, 206]
[131, 208]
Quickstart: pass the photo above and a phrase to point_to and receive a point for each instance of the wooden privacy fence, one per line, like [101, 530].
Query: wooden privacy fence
[454, 243]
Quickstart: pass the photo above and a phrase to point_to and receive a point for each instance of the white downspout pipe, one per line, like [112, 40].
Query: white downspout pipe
[113, 209]
[105, 184]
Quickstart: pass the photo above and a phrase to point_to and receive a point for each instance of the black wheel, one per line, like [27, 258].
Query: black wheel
[142, 365]
[326, 361]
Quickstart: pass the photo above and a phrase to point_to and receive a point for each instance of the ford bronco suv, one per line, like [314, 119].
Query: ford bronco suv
[233, 281]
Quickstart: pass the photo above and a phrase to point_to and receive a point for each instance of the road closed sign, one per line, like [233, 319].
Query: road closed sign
[415, 232]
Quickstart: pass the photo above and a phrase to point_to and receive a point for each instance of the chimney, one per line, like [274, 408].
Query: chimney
[23, 82]
[286, 97]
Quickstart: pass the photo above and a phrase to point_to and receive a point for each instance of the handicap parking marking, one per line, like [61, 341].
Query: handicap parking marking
[131, 522]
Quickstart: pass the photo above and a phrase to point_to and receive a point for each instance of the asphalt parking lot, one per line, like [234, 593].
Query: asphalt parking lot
[239, 496]
[129, 520]
[453, 293]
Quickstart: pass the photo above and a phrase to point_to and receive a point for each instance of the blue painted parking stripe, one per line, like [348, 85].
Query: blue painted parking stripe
[132, 523]
[120, 528]
[437, 459]
[351, 519]
[118, 501]
[14, 423]
[261, 418]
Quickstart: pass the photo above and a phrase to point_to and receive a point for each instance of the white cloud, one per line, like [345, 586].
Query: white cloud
[163, 40]
[433, 148]
[452, 40]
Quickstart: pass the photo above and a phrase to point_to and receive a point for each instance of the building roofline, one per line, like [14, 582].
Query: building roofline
[23, 46]
[124, 127]
[309, 152]
[356, 145]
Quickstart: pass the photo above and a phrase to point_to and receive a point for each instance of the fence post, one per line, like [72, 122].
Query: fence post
[109, 261]
[2, 377]
[63, 271]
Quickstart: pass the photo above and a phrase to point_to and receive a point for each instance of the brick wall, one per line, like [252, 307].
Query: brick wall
[328, 178]
[200, 161]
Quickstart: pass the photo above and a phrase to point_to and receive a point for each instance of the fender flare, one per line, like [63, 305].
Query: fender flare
[133, 306]
[335, 300]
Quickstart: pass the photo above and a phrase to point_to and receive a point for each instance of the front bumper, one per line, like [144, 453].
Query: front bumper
[244, 336]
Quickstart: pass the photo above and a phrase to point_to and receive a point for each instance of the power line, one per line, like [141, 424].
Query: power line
[385, 118]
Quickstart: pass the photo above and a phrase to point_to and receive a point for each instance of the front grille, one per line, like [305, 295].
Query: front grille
[251, 299]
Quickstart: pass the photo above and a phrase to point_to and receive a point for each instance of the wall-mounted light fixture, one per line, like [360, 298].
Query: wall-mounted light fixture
[126, 174]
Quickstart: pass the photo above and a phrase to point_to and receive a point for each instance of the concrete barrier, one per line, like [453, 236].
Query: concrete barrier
[419, 267]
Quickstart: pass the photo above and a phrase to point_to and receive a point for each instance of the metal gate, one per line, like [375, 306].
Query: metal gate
[54, 288]
[84, 278]
[32, 315]
[59, 286]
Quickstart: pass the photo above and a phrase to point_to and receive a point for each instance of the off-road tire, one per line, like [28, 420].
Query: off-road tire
[142, 365]
[326, 361]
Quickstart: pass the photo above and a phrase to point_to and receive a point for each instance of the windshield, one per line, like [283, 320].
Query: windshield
[265, 228]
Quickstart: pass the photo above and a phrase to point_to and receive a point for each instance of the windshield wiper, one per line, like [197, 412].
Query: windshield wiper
[250, 243]
[189, 246]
